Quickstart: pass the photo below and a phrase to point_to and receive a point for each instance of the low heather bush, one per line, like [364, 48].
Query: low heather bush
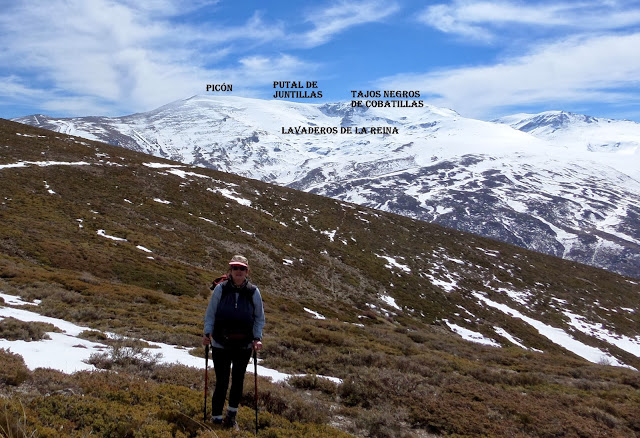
[13, 370]
[13, 329]
[125, 353]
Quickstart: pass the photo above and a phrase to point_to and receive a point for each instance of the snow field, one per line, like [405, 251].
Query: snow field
[67, 353]
[558, 336]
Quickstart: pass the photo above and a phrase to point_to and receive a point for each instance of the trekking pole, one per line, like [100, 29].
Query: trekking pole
[206, 379]
[255, 376]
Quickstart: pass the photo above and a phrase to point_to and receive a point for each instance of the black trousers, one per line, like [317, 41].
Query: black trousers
[223, 359]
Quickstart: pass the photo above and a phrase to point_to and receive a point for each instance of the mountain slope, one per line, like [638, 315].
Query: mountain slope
[558, 187]
[126, 243]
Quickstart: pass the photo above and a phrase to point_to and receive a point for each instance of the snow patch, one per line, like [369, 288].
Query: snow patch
[315, 314]
[230, 194]
[630, 345]
[502, 332]
[390, 301]
[46, 186]
[44, 164]
[183, 174]
[161, 165]
[330, 234]
[393, 263]
[557, 335]
[470, 335]
[103, 234]
[448, 285]
[13, 300]
[67, 353]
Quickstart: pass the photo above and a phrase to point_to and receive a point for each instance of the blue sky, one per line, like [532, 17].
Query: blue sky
[483, 59]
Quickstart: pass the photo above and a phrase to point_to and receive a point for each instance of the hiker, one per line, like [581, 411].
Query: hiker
[233, 326]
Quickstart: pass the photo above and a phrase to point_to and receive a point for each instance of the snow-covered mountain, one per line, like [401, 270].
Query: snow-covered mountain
[578, 131]
[558, 183]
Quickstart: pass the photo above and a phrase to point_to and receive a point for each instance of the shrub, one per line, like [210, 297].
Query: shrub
[125, 353]
[49, 381]
[13, 421]
[418, 337]
[383, 422]
[94, 336]
[180, 375]
[13, 329]
[355, 392]
[322, 336]
[279, 400]
[88, 277]
[313, 382]
[372, 386]
[13, 370]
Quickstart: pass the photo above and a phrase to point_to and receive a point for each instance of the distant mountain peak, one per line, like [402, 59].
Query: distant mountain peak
[553, 120]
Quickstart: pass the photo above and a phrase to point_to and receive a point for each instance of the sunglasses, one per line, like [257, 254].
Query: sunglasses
[238, 268]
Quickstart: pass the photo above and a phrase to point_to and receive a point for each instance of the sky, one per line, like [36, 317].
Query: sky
[483, 59]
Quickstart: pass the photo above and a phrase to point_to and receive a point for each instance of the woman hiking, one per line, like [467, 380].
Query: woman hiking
[233, 326]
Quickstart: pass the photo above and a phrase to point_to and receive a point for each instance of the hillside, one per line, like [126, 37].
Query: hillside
[558, 183]
[126, 243]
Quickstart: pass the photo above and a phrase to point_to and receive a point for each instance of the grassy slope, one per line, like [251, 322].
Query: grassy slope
[404, 373]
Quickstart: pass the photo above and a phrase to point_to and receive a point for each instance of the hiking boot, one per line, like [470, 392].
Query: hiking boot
[217, 420]
[230, 421]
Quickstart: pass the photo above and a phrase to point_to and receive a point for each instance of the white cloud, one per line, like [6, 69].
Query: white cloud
[576, 70]
[448, 20]
[14, 87]
[342, 16]
[481, 20]
[254, 29]
[105, 56]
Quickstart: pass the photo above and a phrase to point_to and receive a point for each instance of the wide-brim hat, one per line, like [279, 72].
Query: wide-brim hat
[238, 260]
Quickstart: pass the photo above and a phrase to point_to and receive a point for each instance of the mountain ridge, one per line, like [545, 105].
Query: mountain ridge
[554, 192]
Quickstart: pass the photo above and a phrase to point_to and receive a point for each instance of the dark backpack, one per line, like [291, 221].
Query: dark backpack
[217, 281]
